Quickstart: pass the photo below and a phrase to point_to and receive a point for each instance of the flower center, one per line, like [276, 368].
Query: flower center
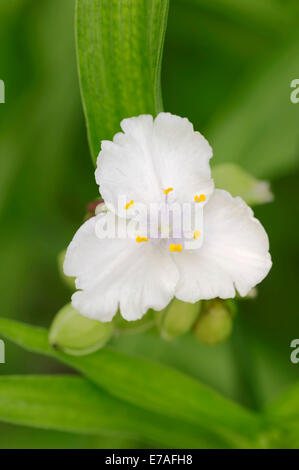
[171, 221]
[166, 191]
[199, 198]
[129, 205]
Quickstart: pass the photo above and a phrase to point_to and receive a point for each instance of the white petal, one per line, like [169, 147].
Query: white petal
[234, 254]
[118, 273]
[182, 157]
[125, 166]
[151, 156]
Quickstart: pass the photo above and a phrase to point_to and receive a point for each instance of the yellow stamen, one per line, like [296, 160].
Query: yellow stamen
[129, 205]
[141, 239]
[196, 234]
[200, 198]
[173, 247]
[166, 191]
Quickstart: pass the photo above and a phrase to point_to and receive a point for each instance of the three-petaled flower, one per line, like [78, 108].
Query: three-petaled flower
[151, 161]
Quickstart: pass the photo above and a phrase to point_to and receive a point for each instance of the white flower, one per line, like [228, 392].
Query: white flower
[150, 162]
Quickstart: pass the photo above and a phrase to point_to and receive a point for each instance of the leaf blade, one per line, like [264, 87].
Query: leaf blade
[134, 380]
[72, 404]
[119, 50]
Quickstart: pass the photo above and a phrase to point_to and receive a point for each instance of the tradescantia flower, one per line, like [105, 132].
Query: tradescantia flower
[163, 161]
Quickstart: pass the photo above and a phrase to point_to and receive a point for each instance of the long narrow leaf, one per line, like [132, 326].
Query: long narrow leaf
[69, 403]
[148, 385]
[119, 46]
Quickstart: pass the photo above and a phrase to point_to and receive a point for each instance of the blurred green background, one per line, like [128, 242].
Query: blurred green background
[225, 66]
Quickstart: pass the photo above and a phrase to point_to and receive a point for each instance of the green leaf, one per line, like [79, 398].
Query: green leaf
[148, 385]
[190, 357]
[119, 47]
[260, 130]
[240, 183]
[69, 403]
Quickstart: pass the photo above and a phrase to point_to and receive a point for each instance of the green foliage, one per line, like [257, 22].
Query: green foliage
[134, 380]
[136, 403]
[119, 55]
[227, 66]
[69, 403]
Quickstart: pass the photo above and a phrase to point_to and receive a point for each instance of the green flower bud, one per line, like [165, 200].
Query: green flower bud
[138, 326]
[177, 319]
[238, 182]
[77, 335]
[69, 281]
[214, 324]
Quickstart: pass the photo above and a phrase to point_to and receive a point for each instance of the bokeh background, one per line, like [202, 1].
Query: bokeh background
[216, 52]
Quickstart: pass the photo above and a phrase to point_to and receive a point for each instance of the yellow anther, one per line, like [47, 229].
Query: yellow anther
[141, 239]
[174, 247]
[166, 191]
[200, 198]
[129, 205]
[196, 234]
